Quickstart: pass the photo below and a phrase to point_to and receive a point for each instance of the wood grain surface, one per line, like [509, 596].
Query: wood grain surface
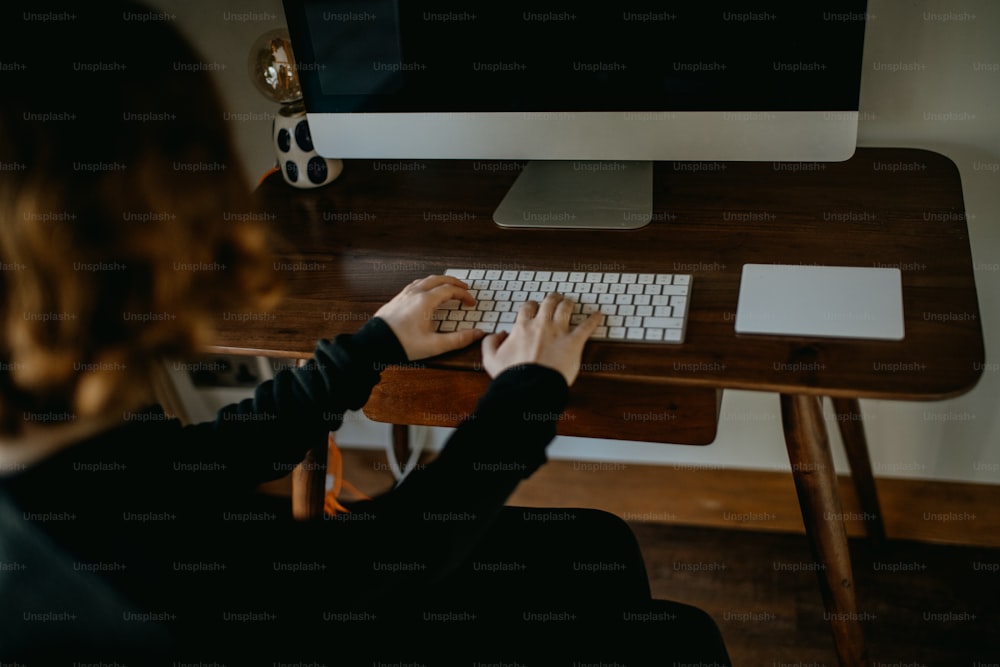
[348, 247]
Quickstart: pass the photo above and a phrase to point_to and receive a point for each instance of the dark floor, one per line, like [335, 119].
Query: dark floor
[924, 605]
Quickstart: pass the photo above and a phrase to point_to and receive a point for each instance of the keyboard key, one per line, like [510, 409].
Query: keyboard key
[663, 322]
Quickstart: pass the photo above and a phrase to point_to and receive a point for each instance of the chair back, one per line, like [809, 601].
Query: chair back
[51, 611]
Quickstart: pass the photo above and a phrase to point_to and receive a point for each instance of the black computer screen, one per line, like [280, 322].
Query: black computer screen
[521, 56]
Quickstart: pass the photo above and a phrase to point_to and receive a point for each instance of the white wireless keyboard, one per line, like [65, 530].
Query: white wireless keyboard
[637, 307]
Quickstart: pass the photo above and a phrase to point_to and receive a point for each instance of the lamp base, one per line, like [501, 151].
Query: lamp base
[298, 161]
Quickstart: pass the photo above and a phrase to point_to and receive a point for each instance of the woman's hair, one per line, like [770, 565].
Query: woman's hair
[122, 202]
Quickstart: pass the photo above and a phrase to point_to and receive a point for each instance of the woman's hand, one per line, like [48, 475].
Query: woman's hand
[541, 335]
[410, 316]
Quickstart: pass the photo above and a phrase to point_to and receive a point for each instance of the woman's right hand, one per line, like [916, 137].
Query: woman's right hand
[541, 335]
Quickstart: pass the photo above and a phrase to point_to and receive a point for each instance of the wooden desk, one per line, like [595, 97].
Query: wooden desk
[352, 245]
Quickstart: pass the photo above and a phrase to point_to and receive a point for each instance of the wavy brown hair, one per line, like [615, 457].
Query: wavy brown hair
[120, 195]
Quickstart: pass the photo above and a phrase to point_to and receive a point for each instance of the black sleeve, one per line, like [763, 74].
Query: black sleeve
[439, 513]
[496, 447]
[264, 437]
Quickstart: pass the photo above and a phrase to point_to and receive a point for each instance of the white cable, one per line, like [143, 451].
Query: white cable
[390, 453]
[416, 449]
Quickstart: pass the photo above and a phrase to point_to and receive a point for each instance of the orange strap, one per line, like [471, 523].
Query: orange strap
[266, 174]
[336, 482]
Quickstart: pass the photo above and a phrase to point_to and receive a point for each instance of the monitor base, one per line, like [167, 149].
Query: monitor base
[579, 194]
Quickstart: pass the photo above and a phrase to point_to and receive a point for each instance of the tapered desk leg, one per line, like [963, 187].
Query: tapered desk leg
[401, 442]
[852, 432]
[816, 484]
[309, 485]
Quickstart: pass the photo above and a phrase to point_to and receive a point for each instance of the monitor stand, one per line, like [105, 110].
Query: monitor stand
[579, 194]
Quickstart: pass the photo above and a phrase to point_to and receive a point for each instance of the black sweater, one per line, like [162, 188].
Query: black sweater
[168, 514]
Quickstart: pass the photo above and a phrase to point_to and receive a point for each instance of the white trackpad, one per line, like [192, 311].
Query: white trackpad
[835, 301]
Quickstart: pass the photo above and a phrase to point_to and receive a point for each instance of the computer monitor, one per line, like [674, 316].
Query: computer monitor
[591, 96]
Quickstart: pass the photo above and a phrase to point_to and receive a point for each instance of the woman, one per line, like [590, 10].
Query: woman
[118, 177]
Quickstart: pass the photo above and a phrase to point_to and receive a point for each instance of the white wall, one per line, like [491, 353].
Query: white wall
[931, 80]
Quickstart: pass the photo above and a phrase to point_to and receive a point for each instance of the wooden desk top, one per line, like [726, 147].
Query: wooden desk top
[356, 242]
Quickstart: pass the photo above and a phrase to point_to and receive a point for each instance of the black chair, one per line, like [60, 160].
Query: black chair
[53, 614]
